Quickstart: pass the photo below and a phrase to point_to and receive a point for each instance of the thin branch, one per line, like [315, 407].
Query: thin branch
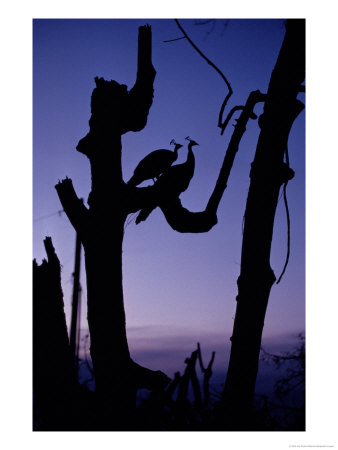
[189, 374]
[195, 384]
[204, 22]
[200, 357]
[231, 113]
[217, 70]
[172, 387]
[213, 24]
[205, 57]
[177, 39]
[287, 218]
[207, 374]
[288, 233]
[49, 215]
[211, 361]
[220, 116]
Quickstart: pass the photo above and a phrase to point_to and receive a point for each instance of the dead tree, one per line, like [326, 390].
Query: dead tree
[115, 111]
[268, 173]
[207, 372]
[53, 380]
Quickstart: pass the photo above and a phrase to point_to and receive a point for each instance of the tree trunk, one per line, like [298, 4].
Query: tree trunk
[268, 173]
[53, 380]
[115, 111]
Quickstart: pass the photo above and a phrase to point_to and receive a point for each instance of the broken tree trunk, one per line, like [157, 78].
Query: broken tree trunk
[268, 173]
[53, 380]
[115, 111]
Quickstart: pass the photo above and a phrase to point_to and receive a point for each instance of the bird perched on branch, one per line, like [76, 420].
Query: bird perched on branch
[174, 181]
[154, 164]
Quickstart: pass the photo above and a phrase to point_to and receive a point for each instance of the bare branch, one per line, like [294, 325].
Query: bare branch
[211, 361]
[217, 70]
[74, 208]
[200, 357]
[178, 217]
[204, 22]
[172, 387]
[189, 374]
[207, 373]
[221, 184]
[231, 113]
[185, 221]
[177, 39]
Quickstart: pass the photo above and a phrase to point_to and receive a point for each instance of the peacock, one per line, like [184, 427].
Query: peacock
[154, 164]
[174, 181]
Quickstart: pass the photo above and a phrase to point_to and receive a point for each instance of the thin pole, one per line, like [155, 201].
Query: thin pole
[75, 302]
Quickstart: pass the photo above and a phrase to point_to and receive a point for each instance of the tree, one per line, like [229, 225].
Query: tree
[268, 173]
[114, 112]
[53, 377]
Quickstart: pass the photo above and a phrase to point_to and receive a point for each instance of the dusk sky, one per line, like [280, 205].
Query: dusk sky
[178, 288]
[185, 86]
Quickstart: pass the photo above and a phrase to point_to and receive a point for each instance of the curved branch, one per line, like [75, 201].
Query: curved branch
[184, 221]
[178, 217]
[231, 113]
[217, 70]
[203, 56]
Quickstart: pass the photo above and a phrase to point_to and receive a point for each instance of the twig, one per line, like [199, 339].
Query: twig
[200, 357]
[204, 22]
[231, 113]
[287, 220]
[177, 39]
[207, 374]
[217, 70]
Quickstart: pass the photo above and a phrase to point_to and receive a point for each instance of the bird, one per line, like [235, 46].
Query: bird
[174, 181]
[154, 164]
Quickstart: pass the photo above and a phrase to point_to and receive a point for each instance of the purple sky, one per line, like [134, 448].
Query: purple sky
[179, 289]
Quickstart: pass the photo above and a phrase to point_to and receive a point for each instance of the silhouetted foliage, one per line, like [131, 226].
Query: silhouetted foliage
[286, 411]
